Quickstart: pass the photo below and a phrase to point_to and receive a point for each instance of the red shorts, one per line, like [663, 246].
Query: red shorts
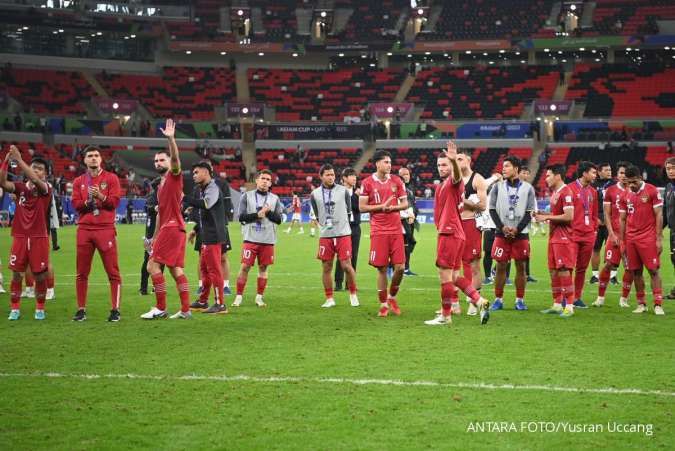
[473, 241]
[504, 250]
[639, 254]
[328, 247]
[168, 248]
[386, 249]
[561, 256]
[263, 252]
[612, 254]
[584, 250]
[29, 251]
[449, 252]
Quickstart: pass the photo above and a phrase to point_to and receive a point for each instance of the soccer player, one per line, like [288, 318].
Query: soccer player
[168, 242]
[475, 203]
[561, 258]
[331, 204]
[210, 207]
[641, 209]
[96, 195]
[511, 204]
[602, 183]
[384, 196]
[2, 280]
[448, 202]
[669, 211]
[296, 208]
[585, 224]
[260, 213]
[30, 242]
[614, 248]
[408, 220]
[349, 182]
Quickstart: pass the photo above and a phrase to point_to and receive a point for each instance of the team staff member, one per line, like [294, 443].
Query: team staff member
[349, 182]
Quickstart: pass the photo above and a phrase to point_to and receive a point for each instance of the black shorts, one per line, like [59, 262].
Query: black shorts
[227, 244]
[601, 238]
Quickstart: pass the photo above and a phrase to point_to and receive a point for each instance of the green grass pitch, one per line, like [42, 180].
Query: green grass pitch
[324, 379]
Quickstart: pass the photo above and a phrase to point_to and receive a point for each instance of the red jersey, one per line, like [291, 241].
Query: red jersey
[640, 216]
[297, 208]
[448, 206]
[561, 200]
[612, 197]
[32, 210]
[378, 192]
[585, 222]
[169, 199]
[109, 185]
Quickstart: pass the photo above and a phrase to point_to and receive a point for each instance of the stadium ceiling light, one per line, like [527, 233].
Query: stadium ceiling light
[502, 51]
[665, 48]
[55, 32]
[133, 36]
[363, 56]
[223, 53]
[126, 38]
[522, 61]
[597, 60]
[240, 12]
[564, 61]
[409, 55]
[445, 55]
[484, 53]
[389, 54]
[581, 49]
[628, 49]
[115, 105]
[594, 51]
[295, 55]
[468, 52]
[427, 53]
[261, 54]
[99, 33]
[372, 64]
[188, 52]
[323, 13]
[26, 28]
[420, 11]
[492, 62]
[573, 7]
[547, 50]
[244, 110]
[559, 52]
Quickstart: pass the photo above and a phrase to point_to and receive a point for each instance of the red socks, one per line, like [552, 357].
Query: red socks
[627, 282]
[579, 277]
[556, 289]
[447, 290]
[352, 288]
[567, 289]
[604, 281]
[382, 296]
[464, 284]
[658, 296]
[241, 284]
[159, 284]
[262, 284]
[183, 292]
[328, 292]
[40, 294]
[15, 294]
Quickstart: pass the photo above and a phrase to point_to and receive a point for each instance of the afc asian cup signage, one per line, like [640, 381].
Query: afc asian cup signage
[552, 107]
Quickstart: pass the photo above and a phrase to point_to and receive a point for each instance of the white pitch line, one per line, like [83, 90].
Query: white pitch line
[345, 381]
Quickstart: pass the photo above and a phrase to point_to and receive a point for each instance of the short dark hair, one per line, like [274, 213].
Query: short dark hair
[515, 161]
[264, 171]
[557, 169]
[348, 171]
[40, 160]
[88, 149]
[465, 151]
[622, 164]
[633, 171]
[584, 167]
[604, 165]
[524, 168]
[205, 165]
[164, 151]
[326, 167]
[670, 160]
[380, 155]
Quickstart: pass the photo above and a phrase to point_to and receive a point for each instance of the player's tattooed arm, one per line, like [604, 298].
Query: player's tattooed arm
[169, 131]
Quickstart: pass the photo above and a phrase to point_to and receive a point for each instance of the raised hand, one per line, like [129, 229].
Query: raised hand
[451, 151]
[169, 129]
[14, 153]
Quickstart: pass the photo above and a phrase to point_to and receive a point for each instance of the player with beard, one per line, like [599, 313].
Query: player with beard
[168, 243]
[96, 195]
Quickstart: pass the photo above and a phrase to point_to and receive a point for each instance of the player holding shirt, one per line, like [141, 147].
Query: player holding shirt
[96, 195]
[168, 243]
[331, 204]
[448, 203]
[585, 224]
[561, 257]
[260, 214]
[614, 248]
[30, 242]
[383, 196]
[641, 210]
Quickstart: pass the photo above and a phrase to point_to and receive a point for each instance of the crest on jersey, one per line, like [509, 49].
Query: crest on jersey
[394, 188]
[104, 185]
[568, 198]
[644, 199]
